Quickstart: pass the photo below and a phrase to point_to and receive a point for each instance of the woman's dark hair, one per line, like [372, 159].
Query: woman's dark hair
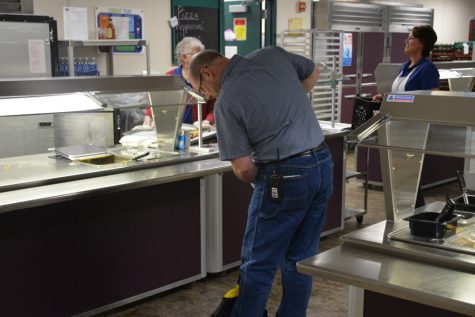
[427, 36]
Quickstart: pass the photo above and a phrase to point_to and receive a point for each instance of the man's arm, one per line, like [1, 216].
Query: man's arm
[244, 168]
[309, 82]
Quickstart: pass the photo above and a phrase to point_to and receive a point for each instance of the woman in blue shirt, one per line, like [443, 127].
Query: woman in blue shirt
[418, 73]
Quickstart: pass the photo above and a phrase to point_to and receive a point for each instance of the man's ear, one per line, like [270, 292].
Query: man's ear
[206, 72]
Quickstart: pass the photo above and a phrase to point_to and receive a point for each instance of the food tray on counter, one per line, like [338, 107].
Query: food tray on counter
[425, 224]
[463, 240]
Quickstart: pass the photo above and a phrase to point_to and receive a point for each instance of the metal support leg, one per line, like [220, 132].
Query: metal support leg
[147, 52]
[359, 218]
[366, 177]
[355, 301]
[333, 85]
[71, 59]
[110, 61]
[200, 125]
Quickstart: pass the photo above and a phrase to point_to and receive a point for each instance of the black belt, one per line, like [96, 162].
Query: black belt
[322, 146]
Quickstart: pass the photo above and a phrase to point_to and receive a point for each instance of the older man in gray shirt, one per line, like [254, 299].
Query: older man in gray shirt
[267, 129]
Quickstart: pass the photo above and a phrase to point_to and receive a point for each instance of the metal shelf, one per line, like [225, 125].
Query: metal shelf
[109, 44]
[86, 43]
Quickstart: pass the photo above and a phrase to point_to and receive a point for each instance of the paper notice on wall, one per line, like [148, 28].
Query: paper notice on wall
[122, 27]
[37, 55]
[230, 51]
[173, 21]
[240, 28]
[347, 49]
[75, 23]
[295, 23]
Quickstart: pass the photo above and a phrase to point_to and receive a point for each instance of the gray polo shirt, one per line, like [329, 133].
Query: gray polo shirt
[262, 106]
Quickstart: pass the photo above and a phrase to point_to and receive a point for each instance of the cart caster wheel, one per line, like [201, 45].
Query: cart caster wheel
[359, 219]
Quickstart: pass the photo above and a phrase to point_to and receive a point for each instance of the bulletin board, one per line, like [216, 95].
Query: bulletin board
[128, 25]
[201, 22]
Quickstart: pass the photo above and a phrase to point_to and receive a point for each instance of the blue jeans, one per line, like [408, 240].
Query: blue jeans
[280, 234]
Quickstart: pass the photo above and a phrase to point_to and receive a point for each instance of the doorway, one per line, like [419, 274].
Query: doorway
[247, 25]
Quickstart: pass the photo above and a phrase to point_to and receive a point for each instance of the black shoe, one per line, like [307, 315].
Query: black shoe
[225, 307]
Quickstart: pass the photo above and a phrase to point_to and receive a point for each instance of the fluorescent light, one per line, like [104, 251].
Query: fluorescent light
[47, 104]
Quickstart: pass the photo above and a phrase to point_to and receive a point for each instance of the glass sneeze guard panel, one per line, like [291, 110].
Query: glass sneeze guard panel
[156, 98]
[428, 138]
[437, 122]
[123, 100]
[409, 126]
[168, 107]
[164, 93]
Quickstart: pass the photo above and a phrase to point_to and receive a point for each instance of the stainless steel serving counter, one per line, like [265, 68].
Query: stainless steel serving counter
[70, 188]
[376, 238]
[368, 259]
[47, 168]
[35, 180]
[399, 277]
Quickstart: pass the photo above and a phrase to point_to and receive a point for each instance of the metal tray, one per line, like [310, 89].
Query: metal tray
[76, 152]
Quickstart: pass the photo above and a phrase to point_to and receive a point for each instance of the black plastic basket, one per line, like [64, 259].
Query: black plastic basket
[363, 110]
[424, 224]
[462, 206]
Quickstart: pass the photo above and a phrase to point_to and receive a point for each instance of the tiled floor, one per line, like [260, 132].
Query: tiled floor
[329, 299]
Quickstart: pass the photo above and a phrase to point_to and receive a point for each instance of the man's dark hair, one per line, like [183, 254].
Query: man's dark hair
[427, 36]
[202, 59]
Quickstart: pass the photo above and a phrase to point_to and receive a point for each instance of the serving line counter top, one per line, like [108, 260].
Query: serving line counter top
[378, 238]
[337, 130]
[399, 277]
[368, 259]
[46, 168]
[68, 190]
[35, 180]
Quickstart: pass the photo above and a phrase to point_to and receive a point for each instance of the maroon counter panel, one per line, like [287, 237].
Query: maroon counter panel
[236, 198]
[376, 305]
[71, 257]
[334, 216]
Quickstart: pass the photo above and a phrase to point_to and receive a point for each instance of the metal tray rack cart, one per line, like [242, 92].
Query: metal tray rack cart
[363, 110]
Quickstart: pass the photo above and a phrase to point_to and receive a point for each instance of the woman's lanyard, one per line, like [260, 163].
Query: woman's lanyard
[399, 84]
